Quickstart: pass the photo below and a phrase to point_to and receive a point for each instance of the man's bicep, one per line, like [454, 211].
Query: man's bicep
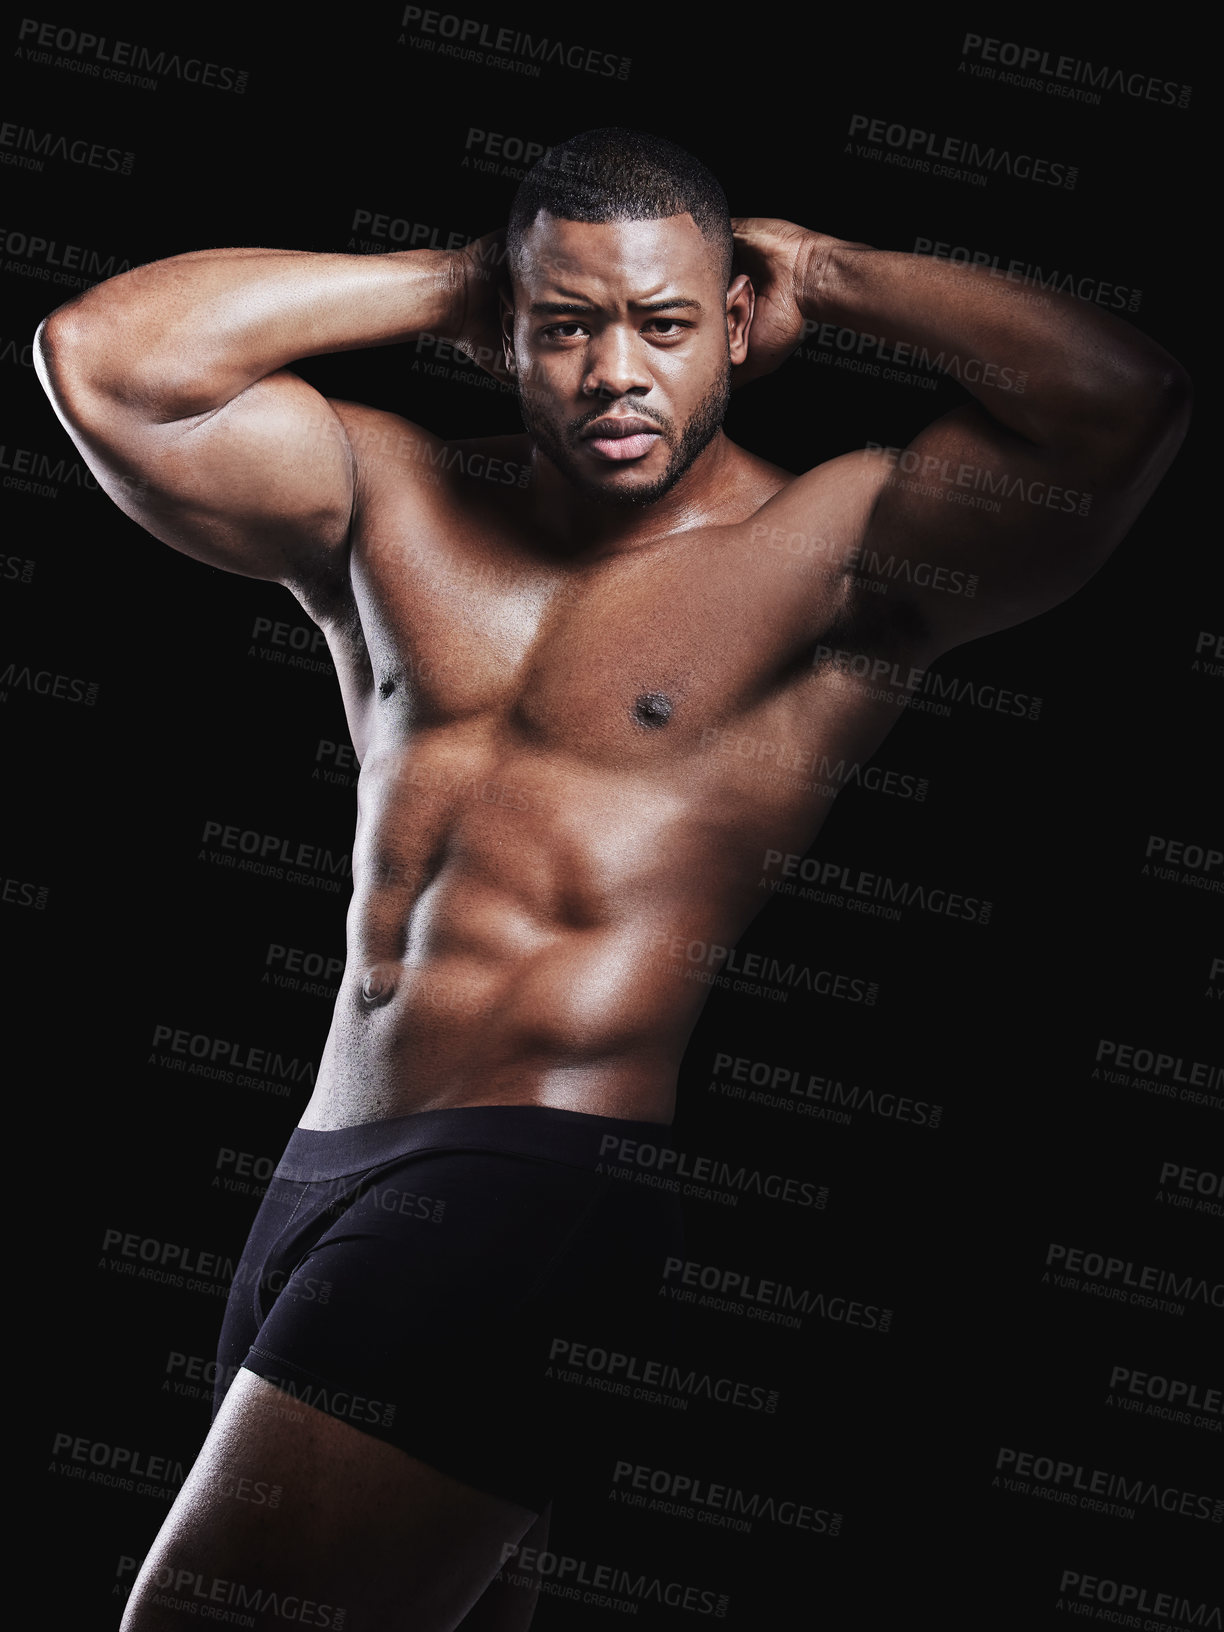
[262, 486]
[980, 529]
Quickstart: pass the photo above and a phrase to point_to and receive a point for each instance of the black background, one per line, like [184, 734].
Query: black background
[1049, 819]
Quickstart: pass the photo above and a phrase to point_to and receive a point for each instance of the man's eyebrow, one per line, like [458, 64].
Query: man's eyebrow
[669, 303]
[559, 308]
[567, 308]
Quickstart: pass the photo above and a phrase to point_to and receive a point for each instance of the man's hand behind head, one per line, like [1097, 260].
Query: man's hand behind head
[786, 264]
[481, 285]
[774, 254]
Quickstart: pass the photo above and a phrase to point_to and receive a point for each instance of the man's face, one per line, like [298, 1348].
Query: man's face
[621, 351]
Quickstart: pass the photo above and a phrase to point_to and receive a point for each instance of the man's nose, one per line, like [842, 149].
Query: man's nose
[615, 366]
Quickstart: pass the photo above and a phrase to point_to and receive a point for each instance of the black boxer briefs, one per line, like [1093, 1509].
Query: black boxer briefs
[418, 1277]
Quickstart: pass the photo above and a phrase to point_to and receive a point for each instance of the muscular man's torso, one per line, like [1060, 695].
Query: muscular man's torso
[571, 768]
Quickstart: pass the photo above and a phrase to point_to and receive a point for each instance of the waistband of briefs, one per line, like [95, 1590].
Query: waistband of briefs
[543, 1131]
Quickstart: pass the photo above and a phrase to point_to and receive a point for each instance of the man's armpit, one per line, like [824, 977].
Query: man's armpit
[872, 623]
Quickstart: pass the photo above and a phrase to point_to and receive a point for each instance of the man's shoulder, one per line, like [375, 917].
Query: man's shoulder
[843, 487]
[377, 434]
[391, 450]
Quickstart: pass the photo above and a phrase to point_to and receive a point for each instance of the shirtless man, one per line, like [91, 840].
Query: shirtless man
[582, 617]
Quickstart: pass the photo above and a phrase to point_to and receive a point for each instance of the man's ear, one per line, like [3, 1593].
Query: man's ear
[507, 326]
[741, 303]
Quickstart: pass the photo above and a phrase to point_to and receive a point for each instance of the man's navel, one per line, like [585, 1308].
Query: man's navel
[378, 985]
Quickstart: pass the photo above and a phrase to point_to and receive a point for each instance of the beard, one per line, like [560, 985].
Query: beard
[556, 442]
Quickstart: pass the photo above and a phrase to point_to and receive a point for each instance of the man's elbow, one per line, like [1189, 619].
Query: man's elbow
[1177, 398]
[1135, 437]
[1164, 397]
[1162, 418]
[47, 349]
[62, 353]
[93, 370]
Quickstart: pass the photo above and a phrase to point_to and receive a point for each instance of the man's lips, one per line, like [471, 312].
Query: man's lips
[621, 438]
[622, 447]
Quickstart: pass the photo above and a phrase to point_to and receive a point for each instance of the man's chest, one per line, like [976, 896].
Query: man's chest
[619, 656]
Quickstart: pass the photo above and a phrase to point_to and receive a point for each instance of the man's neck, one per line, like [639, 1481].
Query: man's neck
[575, 524]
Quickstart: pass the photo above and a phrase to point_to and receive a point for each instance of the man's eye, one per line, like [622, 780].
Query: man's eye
[563, 331]
[667, 327]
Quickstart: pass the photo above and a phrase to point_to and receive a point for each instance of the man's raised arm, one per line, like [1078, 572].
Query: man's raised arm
[172, 380]
[1028, 488]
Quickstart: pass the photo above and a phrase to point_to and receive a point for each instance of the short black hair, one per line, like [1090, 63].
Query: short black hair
[614, 174]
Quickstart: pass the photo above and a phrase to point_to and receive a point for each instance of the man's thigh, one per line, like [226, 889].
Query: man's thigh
[287, 1506]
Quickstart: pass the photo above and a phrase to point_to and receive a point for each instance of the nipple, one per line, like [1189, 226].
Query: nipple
[378, 987]
[652, 709]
